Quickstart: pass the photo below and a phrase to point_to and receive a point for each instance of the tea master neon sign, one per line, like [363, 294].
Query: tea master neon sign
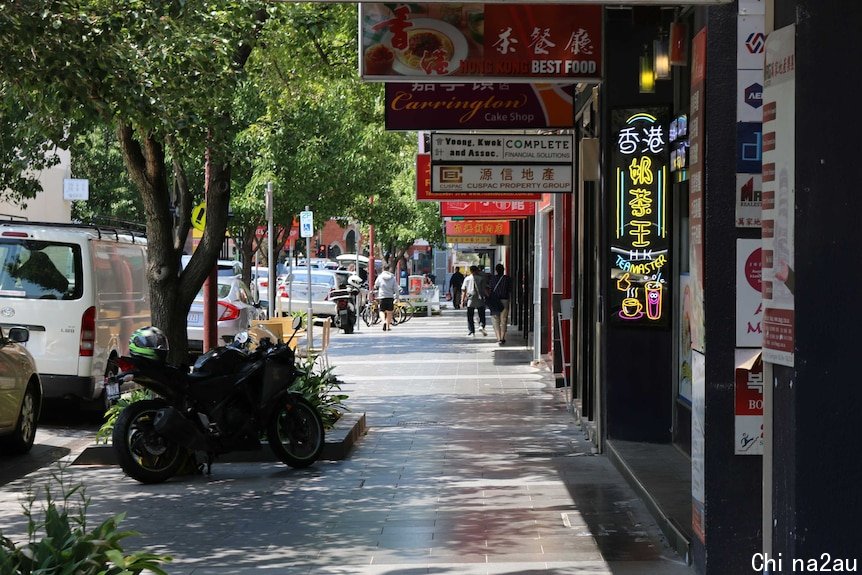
[640, 236]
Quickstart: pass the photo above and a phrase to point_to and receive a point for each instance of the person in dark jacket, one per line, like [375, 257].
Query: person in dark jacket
[501, 289]
[455, 283]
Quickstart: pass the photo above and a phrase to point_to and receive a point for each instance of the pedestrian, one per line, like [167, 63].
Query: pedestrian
[387, 293]
[498, 302]
[473, 292]
[455, 283]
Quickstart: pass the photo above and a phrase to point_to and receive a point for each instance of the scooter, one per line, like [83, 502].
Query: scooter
[233, 395]
[345, 302]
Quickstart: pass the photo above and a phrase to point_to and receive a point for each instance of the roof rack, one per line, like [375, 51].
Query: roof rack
[130, 229]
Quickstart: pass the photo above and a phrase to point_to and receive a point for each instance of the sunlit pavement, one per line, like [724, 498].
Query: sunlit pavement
[471, 465]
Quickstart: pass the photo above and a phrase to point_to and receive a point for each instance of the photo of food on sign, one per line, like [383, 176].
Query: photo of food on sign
[520, 42]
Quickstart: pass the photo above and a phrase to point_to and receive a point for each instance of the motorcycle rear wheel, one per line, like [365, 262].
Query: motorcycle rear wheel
[141, 452]
[295, 432]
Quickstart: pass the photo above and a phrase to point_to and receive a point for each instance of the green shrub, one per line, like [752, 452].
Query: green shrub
[322, 389]
[67, 546]
[104, 433]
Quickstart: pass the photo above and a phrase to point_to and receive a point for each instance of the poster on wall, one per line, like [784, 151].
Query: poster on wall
[749, 302]
[695, 190]
[487, 42]
[640, 226]
[748, 200]
[779, 197]
[684, 388]
[748, 403]
[698, 445]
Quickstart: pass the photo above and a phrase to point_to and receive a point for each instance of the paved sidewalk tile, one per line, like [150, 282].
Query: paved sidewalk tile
[471, 466]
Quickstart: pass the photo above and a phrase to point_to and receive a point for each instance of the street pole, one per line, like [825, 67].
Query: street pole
[310, 315]
[270, 246]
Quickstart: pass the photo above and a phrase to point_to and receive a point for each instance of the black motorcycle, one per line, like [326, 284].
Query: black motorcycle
[345, 304]
[233, 396]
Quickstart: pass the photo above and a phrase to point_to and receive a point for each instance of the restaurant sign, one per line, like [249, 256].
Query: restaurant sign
[640, 219]
[478, 106]
[488, 42]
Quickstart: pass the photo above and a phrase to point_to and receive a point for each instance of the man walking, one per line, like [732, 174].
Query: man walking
[455, 283]
[473, 296]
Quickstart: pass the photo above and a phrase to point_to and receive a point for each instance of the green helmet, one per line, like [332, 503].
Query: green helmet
[149, 342]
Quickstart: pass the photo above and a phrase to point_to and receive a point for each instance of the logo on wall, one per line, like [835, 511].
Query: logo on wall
[754, 95]
[640, 237]
[756, 42]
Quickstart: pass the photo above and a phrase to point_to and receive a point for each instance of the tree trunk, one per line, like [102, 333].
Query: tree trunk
[172, 289]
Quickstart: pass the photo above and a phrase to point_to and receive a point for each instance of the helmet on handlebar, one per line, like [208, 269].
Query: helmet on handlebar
[149, 342]
[355, 281]
[254, 337]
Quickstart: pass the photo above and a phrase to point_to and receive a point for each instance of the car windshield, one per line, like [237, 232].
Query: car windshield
[301, 276]
[223, 291]
[34, 269]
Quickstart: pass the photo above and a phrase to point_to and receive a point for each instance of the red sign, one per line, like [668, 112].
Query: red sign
[476, 210]
[424, 193]
[477, 228]
[433, 42]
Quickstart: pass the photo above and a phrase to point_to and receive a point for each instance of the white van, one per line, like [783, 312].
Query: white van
[81, 291]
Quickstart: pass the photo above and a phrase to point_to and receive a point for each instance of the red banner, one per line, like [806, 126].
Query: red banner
[478, 210]
[477, 228]
[424, 193]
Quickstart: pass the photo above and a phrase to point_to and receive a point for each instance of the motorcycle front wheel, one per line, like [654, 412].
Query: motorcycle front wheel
[141, 452]
[296, 433]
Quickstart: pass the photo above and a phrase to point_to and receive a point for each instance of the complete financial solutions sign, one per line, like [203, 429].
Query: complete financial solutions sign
[513, 164]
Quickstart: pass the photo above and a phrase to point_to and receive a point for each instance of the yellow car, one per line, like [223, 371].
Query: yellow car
[20, 392]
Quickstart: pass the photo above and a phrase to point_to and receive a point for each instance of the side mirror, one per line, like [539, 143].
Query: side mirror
[19, 334]
[297, 322]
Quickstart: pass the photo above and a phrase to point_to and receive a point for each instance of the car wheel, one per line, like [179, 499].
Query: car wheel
[21, 440]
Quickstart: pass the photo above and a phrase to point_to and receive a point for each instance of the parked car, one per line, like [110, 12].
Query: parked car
[237, 308]
[323, 281]
[80, 291]
[226, 268]
[20, 392]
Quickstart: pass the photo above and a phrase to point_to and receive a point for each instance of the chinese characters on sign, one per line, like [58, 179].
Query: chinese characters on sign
[509, 209]
[640, 236]
[475, 228]
[430, 42]
[424, 193]
[501, 163]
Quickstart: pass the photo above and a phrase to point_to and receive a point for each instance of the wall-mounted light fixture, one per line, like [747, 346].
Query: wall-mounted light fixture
[661, 58]
[646, 79]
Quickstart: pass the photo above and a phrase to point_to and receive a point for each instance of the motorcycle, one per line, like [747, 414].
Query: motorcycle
[233, 395]
[345, 303]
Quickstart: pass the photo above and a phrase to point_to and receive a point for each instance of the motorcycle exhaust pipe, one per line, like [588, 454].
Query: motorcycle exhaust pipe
[170, 423]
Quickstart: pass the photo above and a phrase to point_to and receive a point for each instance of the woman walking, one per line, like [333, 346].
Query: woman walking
[501, 287]
[387, 291]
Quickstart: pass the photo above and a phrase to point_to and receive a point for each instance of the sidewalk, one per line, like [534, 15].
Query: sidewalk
[471, 466]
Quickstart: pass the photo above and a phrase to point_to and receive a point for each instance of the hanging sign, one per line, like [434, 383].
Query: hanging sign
[424, 193]
[474, 210]
[640, 219]
[479, 227]
[485, 42]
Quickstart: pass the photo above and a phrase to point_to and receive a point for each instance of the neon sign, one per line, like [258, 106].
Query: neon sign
[640, 230]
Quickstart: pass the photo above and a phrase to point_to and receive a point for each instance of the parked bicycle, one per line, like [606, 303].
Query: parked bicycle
[370, 312]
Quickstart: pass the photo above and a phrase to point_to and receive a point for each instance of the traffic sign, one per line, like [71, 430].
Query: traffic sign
[199, 216]
[306, 224]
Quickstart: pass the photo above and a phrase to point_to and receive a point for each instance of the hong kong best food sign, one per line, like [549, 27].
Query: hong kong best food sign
[484, 42]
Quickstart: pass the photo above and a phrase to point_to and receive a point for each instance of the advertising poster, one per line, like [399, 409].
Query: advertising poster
[485, 42]
[779, 197]
[685, 370]
[695, 191]
[698, 444]
[748, 403]
[424, 193]
[640, 287]
[749, 302]
[478, 106]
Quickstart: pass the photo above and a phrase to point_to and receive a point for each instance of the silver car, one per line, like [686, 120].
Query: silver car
[20, 392]
[294, 290]
[237, 308]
